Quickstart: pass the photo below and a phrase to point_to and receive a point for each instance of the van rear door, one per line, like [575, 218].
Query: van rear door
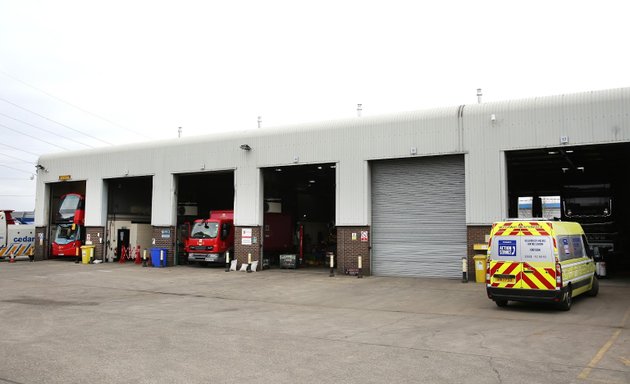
[522, 262]
[505, 263]
[539, 264]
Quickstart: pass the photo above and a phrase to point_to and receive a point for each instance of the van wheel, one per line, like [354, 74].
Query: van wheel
[594, 288]
[501, 303]
[566, 302]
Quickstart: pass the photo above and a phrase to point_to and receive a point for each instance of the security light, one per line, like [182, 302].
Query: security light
[246, 147]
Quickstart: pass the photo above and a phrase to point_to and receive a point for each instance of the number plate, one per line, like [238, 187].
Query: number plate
[504, 278]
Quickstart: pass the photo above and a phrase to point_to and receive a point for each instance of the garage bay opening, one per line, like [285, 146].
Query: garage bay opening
[205, 218]
[586, 184]
[299, 221]
[67, 215]
[128, 230]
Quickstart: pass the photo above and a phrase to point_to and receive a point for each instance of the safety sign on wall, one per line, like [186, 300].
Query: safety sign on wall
[364, 236]
[246, 236]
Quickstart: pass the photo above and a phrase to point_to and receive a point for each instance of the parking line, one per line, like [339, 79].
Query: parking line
[602, 351]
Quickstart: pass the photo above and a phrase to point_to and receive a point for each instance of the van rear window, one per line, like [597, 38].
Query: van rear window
[522, 248]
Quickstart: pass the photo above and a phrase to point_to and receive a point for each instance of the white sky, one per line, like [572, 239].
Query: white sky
[211, 66]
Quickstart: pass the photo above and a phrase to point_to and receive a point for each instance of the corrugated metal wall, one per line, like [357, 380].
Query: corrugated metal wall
[596, 117]
[586, 118]
[349, 143]
[418, 217]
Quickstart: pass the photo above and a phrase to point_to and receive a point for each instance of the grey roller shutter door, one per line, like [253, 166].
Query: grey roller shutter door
[418, 217]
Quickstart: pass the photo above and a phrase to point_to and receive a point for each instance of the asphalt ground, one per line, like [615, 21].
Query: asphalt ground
[110, 323]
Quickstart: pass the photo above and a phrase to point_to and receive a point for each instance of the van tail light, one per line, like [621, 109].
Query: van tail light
[488, 271]
[558, 276]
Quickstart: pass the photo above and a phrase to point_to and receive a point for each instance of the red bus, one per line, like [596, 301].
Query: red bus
[69, 226]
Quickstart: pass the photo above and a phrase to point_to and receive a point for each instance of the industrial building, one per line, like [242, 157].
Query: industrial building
[409, 193]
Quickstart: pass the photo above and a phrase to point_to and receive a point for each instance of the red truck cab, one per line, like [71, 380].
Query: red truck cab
[209, 239]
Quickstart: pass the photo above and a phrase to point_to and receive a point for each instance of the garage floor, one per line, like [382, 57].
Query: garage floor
[110, 323]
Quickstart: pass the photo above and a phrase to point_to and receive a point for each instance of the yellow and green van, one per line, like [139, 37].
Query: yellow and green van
[539, 261]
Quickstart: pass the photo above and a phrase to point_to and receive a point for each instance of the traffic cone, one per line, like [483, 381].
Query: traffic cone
[12, 259]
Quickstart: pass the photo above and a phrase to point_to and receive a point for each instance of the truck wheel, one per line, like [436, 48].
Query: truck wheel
[567, 300]
[501, 303]
[594, 288]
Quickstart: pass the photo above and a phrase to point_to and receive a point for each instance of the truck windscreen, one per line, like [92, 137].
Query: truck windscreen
[587, 206]
[205, 230]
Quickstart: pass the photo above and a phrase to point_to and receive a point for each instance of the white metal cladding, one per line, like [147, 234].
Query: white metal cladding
[586, 118]
[596, 117]
[349, 143]
[418, 216]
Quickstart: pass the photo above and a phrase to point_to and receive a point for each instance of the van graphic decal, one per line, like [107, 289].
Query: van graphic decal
[507, 247]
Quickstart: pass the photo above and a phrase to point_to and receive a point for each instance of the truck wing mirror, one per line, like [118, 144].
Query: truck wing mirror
[225, 231]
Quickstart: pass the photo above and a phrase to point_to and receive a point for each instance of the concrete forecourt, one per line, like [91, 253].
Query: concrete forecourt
[111, 323]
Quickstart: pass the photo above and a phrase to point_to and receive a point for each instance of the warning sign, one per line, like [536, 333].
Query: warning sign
[364, 236]
[246, 236]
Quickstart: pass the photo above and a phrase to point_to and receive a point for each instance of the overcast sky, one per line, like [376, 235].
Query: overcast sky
[81, 74]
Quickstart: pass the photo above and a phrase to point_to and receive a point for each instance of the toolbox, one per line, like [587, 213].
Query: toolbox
[288, 261]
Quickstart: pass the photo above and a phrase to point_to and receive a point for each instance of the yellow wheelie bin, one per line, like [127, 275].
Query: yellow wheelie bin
[87, 252]
[480, 268]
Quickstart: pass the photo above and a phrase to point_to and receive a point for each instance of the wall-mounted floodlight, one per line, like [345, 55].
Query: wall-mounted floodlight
[40, 167]
[246, 147]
